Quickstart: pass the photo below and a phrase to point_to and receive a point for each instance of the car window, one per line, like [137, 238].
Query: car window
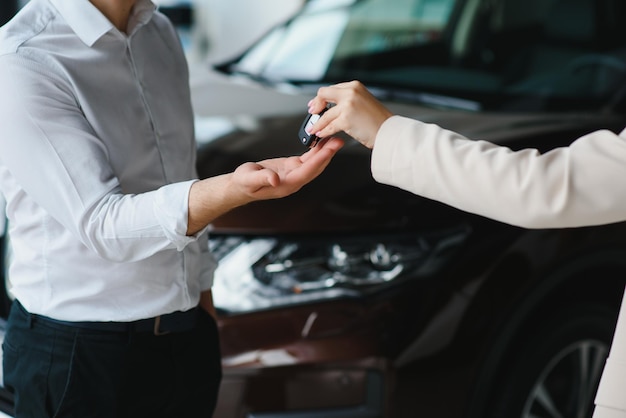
[327, 30]
[490, 53]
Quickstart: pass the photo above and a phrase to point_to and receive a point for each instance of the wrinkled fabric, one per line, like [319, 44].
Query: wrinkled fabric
[98, 156]
[574, 186]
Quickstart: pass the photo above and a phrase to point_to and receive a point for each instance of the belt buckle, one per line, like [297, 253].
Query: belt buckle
[157, 327]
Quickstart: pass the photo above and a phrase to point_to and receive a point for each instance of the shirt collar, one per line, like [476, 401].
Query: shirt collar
[142, 13]
[90, 24]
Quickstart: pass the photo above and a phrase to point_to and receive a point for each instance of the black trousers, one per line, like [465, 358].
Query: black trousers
[62, 372]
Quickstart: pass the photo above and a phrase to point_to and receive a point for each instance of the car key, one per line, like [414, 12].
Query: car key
[309, 140]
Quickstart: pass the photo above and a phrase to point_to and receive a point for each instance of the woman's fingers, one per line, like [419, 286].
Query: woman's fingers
[356, 112]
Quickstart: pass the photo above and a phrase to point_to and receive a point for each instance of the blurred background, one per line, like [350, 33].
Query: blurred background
[395, 306]
[214, 31]
[210, 29]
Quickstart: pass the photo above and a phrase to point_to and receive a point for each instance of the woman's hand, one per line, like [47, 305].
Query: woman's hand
[356, 112]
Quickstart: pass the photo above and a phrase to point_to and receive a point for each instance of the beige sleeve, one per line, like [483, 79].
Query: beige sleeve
[610, 398]
[584, 184]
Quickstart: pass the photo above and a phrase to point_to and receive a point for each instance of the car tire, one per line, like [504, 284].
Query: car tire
[559, 376]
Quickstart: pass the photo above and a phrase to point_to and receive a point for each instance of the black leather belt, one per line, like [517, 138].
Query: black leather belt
[160, 325]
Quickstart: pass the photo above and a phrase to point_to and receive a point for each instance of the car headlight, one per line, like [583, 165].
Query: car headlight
[263, 272]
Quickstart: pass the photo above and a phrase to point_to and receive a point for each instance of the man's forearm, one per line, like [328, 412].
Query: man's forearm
[273, 178]
[211, 198]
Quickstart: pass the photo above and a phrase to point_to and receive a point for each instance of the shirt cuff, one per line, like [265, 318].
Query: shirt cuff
[171, 208]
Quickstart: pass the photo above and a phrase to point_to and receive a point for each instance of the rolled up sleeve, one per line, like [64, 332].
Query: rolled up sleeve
[171, 208]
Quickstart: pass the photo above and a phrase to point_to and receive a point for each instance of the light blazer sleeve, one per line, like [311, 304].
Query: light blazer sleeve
[610, 400]
[583, 184]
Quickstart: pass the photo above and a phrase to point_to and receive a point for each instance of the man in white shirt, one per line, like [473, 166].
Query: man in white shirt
[579, 185]
[107, 218]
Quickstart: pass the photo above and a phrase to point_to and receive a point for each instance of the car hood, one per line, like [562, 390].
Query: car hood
[260, 122]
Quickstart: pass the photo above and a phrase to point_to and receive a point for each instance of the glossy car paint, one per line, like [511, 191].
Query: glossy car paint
[450, 342]
[433, 345]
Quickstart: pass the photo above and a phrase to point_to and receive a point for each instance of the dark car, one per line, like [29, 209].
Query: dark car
[354, 299]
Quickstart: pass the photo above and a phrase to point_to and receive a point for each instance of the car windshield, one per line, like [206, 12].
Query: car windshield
[499, 54]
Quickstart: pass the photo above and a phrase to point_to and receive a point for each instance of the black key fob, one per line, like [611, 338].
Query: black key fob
[309, 140]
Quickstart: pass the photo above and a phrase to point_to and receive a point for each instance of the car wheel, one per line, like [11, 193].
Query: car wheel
[555, 373]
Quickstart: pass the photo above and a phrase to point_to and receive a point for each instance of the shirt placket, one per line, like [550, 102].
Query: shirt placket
[141, 88]
[155, 132]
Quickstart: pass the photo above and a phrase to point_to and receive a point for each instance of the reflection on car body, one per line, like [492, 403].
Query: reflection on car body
[355, 299]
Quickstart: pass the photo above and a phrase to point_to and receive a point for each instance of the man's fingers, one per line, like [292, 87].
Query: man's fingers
[257, 176]
[323, 150]
[315, 161]
[279, 177]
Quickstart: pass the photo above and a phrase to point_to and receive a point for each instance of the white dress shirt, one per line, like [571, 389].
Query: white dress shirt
[97, 157]
[579, 185]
